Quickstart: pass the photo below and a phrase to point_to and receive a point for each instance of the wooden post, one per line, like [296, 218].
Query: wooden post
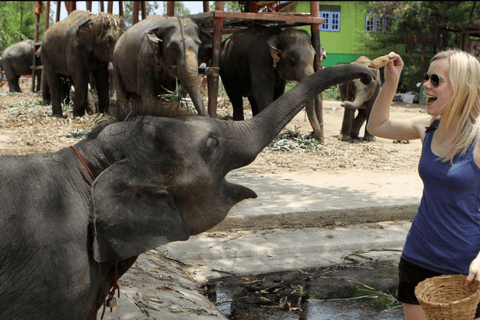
[89, 6]
[135, 12]
[144, 10]
[213, 77]
[120, 8]
[59, 3]
[47, 17]
[110, 7]
[102, 7]
[170, 8]
[206, 8]
[315, 29]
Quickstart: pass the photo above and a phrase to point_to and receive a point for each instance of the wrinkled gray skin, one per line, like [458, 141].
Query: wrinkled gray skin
[361, 97]
[76, 46]
[158, 180]
[257, 63]
[16, 60]
[155, 52]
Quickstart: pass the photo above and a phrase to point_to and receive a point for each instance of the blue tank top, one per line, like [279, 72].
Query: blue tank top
[445, 232]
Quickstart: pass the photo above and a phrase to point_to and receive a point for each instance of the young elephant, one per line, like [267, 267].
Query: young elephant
[78, 45]
[361, 97]
[257, 63]
[68, 218]
[16, 60]
[155, 52]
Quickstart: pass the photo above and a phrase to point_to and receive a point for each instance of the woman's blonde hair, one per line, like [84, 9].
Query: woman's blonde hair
[464, 103]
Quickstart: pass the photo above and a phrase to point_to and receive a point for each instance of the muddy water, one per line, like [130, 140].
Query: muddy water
[362, 292]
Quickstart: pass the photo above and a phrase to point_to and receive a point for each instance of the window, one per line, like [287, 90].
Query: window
[331, 14]
[377, 25]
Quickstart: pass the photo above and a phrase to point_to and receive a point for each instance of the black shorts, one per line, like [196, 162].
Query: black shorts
[410, 275]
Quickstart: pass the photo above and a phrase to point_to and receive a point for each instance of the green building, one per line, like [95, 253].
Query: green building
[345, 33]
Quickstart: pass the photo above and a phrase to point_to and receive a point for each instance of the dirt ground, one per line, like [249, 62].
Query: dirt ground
[26, 127]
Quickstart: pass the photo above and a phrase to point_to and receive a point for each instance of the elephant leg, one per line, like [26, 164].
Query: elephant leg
[54, 87]
[12, 78]
[237, 104]
[80, 82]
[358, 123]
[367, 136]
[101, 82]
[253, 106]
[347, 124]
[312, 118]
[46, 97]
[38, 79]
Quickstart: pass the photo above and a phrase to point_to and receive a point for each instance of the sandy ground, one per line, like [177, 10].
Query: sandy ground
[26, 127]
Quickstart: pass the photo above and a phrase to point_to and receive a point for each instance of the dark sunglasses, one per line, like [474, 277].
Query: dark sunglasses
[434, 79]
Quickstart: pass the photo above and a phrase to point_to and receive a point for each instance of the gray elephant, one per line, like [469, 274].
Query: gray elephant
[69, 218]
[16, 61]
[76, 46]
[155, 52]
[257, 63]
[361, 97]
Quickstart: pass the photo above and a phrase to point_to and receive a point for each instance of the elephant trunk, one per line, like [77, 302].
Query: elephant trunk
[357, 103]
[188, 74]
[252, 135]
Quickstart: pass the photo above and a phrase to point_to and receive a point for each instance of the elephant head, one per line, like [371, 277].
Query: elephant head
[181, 48]
[360, 93]
[170, 180]
[99, 34]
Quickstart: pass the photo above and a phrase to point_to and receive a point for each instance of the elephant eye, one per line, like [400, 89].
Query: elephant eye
[210, 147]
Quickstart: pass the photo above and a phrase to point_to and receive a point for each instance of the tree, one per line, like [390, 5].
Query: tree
[229, 6]
[17, 22]
[422, 22]
[150, 6]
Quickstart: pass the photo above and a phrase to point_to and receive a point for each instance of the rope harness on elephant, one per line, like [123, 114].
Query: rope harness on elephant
[110, 302]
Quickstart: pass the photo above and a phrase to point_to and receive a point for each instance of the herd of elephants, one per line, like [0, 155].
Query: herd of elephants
[73, 221]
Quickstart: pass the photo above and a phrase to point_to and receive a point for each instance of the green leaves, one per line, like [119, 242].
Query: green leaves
[289, 140]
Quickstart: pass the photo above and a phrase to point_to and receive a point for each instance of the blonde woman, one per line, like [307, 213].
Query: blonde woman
[445, 233]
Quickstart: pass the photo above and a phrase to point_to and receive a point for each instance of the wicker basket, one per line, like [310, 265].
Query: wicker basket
[448, 297]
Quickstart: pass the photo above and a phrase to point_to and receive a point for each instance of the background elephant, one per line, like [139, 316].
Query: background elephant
[357, 96]
[153, 180]
[155, 52]
[16, 61]
[76, 46]
[257, 63]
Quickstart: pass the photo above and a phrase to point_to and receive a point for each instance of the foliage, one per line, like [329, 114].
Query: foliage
[150, 6]
[289, 140]
[17, 22]
[332, 93]
[229, 6]
[421, 22]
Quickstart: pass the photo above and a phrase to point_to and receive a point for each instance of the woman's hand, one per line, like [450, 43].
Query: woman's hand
[474, 270]
[394, 68]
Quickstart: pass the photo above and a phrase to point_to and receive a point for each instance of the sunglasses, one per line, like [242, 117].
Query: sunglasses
[434, 79]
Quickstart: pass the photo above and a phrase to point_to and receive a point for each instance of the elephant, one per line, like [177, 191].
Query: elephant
[70, 219]
[257, 63]
[361, 97]
[74, 47]
[16, 61]
[153, 53]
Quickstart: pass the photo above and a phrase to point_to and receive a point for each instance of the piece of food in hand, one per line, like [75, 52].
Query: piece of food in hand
[380, 62]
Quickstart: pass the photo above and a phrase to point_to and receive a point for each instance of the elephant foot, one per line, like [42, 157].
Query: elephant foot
[55, 115]
[316, 135]
[369, 138]
[344, 138]
[46, 102]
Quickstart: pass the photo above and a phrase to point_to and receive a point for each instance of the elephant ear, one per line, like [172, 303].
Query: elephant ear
[132, 214]
[274, 51]
[84, 34]
[155, 41]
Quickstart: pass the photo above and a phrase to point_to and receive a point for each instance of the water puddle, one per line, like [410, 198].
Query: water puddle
[311, 294]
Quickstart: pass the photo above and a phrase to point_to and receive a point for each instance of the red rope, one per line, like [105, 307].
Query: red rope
[83, 161]
[115, 285]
